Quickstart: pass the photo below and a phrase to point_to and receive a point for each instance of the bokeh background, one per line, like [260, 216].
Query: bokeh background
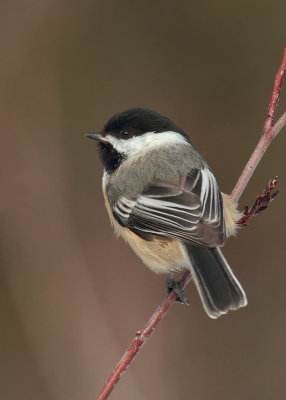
[71, 295]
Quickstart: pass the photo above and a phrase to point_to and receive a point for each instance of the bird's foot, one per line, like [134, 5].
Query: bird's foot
[261, 203]
[175, 285]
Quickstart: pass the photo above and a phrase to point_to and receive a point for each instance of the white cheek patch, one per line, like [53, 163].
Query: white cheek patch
[146, 142]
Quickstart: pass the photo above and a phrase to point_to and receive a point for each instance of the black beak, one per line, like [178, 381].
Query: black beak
[96, 136]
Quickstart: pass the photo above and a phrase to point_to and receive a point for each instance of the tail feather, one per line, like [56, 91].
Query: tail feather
[219, 289]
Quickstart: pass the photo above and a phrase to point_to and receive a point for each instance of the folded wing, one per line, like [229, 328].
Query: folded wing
[191, 211]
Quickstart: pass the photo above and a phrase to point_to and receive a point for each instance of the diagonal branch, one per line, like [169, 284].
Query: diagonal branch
[140, 339]
[269, 133]
[263, 144]
[269, 122]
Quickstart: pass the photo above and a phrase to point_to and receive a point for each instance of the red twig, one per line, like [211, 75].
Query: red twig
[140, 339]
[268, 135]
[275, 93]
[261, 203]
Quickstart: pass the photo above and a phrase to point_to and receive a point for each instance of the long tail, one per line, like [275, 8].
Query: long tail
[219, 289]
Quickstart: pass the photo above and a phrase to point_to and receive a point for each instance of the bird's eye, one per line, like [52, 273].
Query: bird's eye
[125, 135]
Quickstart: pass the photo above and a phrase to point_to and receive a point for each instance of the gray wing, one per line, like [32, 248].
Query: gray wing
[191, 211]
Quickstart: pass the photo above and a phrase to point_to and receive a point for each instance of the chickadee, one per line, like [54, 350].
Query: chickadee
[163, 199]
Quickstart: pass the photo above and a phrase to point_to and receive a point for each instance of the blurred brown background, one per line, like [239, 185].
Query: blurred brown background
[71, 295]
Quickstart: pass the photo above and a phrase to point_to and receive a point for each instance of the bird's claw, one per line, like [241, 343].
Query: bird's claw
[172, 284]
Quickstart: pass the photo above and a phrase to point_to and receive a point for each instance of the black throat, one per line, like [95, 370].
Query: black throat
[111, 158]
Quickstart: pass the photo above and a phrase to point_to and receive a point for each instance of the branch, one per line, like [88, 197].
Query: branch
[263, 144]
[269, 133]
[275, 93]
[140, 339]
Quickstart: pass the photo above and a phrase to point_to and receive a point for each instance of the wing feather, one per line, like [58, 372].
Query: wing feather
[191, 211]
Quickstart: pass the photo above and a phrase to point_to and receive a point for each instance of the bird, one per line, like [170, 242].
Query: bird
[164, 201]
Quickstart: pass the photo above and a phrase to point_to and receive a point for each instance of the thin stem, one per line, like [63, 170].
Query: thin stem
[275, 93]
[140, 339]
[270, 132]
[256, 156]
